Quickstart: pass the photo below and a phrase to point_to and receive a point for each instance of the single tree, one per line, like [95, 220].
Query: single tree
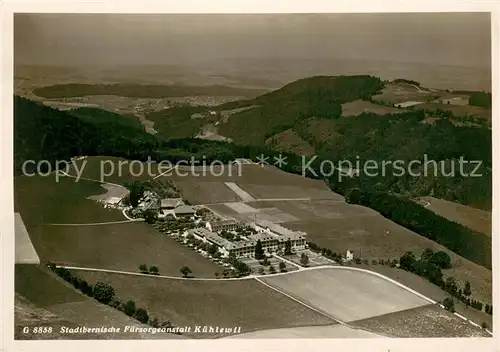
[217, 275]
[451, 285]
[266, 262]
[226, 273]
[282, 267]
[259, 251]
[154, 270]
[484, 325]
[141, 315]
[426, 255]
[103, 292]
[185, 271]
[272, 270]
[441, 259]
[129, 308]
[304, 259]
[449, 304]
[288, 247]
[143, 268]
[150, 216]
[212, 249]
[467, 291]
[136, 192]
[155, 323]
[261, 271]
[407, 261]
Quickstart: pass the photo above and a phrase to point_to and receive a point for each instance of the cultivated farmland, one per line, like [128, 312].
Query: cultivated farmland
[42, 292]
[114, 170]
[122, 246]
[44, 200]
[25, 252]
[205, 192]
[378, 238]
[394, 93]
[358, 107]
[458, 110]
[335, 331]
[312, 191]
[289, 141]
[318, 209]
[345, 294]
[476, 219]
[428, 289]
[245, 303]
[426, 321]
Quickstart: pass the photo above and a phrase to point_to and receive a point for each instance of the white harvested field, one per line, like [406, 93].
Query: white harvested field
[308, 332]
[407, 104]
[241, 193]
[346, 294]
[318, 209]
[266, 191]
[113, 191]
[241, 208]
[244, 212]
[25, 252]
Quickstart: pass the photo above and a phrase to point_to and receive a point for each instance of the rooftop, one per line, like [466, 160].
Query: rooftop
[184, 209]
[280, 230]
[171, 202]
[214, 238]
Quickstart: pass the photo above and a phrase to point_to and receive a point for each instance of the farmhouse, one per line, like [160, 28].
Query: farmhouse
[184, 210]
[349, 255]
[223, 225]
[171, 203]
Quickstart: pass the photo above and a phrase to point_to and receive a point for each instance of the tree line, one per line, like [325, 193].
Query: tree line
[429, 266]
[105, 294]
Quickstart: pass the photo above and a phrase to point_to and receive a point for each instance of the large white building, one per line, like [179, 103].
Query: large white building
[222, 225]
[282, 234]
[273, 238]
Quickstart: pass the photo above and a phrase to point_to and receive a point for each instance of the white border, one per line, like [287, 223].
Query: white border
[8, 7]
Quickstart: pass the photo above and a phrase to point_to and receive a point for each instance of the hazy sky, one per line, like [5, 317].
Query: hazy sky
[451, 39]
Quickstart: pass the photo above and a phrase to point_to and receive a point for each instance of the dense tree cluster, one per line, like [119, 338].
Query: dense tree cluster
[482, 99]
[242, 269]
[408, 81]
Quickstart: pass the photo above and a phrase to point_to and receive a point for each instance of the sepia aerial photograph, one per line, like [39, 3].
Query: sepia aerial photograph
[252, 176]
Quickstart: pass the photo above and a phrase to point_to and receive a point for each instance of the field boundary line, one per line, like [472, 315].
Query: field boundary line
[99, 223]
[388, 279]
[299, 268]
[151, 276]
[406, 288]
[317, 310]
[258, 278]
[91, 179]
[164, 172]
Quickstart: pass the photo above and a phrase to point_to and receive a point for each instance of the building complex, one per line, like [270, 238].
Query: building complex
[273, 237]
